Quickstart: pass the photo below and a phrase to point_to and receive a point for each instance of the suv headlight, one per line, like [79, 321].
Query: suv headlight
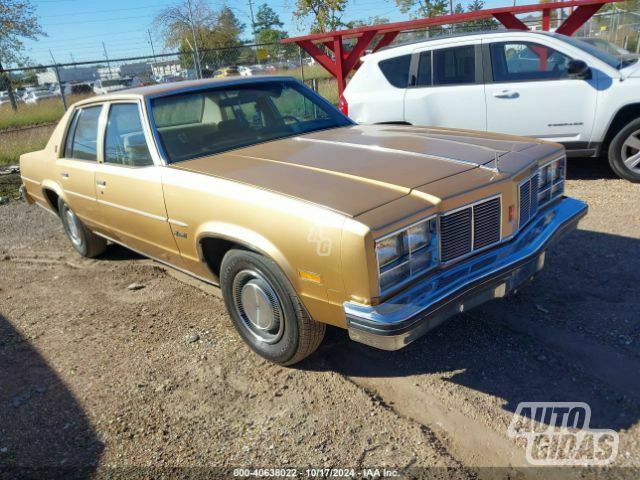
[551, 180]
[405, 254]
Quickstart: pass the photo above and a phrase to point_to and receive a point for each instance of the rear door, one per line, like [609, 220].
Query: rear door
[129, 186]
[446, 87]
[529, 92]
[77, 165]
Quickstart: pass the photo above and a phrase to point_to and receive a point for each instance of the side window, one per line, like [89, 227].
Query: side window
[125, 143]
[424, 70]
[525, 61]
[454, 66]
[82, 138]
[396, 70]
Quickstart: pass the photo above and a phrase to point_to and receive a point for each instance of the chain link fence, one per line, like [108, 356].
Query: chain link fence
[32, 99]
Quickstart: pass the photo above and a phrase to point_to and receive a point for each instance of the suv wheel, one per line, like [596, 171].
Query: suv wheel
[86, 243]
[624, 152]
[265, 309]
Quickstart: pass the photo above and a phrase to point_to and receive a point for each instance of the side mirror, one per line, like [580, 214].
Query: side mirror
[578, 69]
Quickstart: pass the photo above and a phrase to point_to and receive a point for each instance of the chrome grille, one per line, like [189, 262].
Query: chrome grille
[528, 199]
[486, 223]
[472, 228]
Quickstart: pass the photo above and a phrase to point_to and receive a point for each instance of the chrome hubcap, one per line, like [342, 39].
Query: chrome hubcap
[631, 152]
[73, 227]
[258, 305]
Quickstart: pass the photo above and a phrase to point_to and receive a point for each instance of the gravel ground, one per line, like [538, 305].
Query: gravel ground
[121, 381]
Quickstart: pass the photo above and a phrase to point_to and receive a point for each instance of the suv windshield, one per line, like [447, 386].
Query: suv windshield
[204, 122]
[591, 50]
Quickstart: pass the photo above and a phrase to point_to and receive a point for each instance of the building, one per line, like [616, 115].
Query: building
[68, 75]
[140, 69]
[168, 67]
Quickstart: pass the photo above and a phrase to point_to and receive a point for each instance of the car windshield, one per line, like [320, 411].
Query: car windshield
[204, 122]
[590, 49]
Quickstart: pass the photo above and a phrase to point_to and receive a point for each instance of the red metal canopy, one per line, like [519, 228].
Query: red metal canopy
[344, 61]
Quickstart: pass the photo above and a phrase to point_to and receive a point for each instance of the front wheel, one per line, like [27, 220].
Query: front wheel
[265, 309]
[86, 243]
[624, 152]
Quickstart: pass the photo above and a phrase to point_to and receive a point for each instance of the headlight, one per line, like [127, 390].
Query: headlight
[551, 180]
[389, 249]
[407, 253]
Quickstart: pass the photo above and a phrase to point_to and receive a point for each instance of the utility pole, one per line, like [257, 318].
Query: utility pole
[253, 29]
[195, 42]
[152, 50]
[104, 47]
[5, 78]
[60, 86]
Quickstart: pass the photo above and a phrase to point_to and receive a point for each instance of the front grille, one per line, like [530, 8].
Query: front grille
[528, 196]
[472, 228]
[486, 223]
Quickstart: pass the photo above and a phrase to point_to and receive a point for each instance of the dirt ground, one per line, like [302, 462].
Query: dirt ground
[98, 376]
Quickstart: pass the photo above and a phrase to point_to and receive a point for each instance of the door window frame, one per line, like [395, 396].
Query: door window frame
[71, 127]
[145, 131]
[415, 61]
[488, 65]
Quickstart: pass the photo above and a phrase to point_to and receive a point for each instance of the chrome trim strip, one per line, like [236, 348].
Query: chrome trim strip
[377, 148]
[30, 180]
[133, 210]
[177, 223]
[80, 195]
[182, 270]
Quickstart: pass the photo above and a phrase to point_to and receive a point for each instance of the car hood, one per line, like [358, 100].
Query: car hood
[358, 168]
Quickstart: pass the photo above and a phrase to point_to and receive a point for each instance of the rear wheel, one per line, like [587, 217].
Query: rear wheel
[265, 309]
[86, 243]
[624, 152]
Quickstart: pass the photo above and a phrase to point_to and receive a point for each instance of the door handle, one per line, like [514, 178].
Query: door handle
[506, 94]
[101, 183]
[64, 175]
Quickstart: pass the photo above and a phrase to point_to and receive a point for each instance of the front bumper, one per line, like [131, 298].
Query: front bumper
[412, 313]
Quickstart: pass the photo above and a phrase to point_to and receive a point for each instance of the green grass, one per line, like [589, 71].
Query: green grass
[15, 143]
[9, 185]
[47, 111]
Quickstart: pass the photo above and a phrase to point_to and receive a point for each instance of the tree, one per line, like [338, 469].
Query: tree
[18, 21]
[267, 19]
[481, 24]
[424, 8]
[366, 23]
[326, 14]
[213, 30]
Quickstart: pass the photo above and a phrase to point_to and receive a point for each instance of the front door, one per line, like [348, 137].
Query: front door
[129, 187]
[529, 93]
[446, 88]
[77, 165]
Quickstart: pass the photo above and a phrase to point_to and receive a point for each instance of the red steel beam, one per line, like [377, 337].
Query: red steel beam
[346, 61]
[448, 19]
[509, 20]
[578, 18]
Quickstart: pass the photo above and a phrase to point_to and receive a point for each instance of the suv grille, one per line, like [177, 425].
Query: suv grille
[528, 199]
[472, 228]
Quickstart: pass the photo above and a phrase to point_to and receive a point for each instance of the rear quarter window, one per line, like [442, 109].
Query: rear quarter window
[396, 70]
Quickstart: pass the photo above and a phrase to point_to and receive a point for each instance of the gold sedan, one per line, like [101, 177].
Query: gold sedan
[302, 217]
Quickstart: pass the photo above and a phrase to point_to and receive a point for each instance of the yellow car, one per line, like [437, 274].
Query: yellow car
[226, 72]
[301, 217]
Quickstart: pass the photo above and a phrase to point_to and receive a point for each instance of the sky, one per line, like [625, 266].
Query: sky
[77, 28]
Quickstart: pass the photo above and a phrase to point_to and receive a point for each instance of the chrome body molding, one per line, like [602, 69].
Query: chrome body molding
[133, 210]
[163, 262]
[493, 274]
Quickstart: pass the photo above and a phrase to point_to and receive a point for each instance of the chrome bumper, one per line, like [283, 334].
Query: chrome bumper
[412, 313]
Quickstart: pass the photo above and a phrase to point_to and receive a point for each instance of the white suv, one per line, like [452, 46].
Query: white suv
[534, 84]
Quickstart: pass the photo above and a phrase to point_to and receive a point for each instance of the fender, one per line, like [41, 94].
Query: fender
[247, 238]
